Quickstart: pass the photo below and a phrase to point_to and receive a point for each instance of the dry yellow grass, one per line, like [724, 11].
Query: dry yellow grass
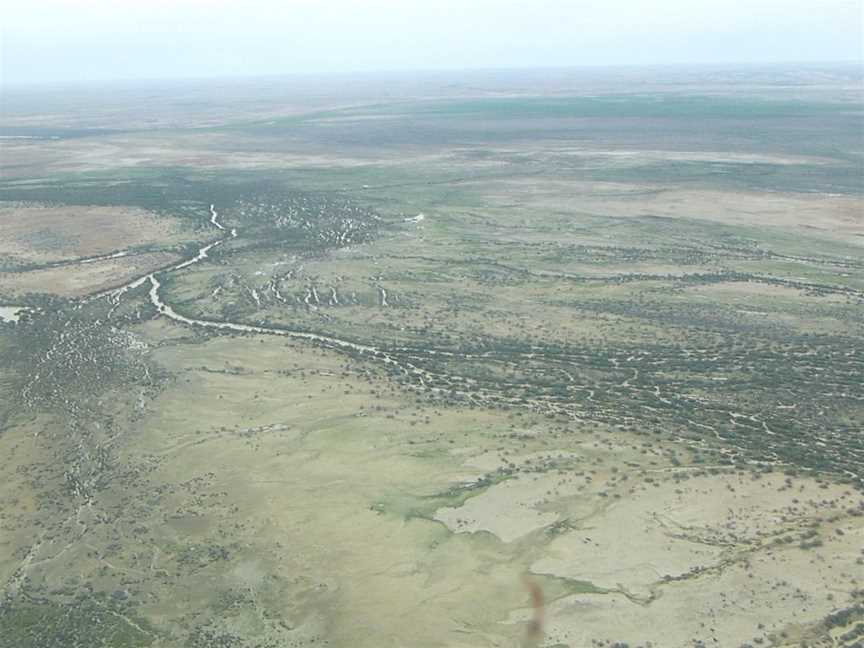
[80, 280]
[42, 234]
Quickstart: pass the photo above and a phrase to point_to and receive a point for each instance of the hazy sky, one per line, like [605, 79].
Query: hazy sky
[44, 40]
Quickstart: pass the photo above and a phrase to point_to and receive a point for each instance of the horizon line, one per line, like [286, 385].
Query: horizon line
[384, 72]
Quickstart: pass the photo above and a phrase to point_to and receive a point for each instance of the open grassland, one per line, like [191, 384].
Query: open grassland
[39, 234]
[348, 374]
[96, 276]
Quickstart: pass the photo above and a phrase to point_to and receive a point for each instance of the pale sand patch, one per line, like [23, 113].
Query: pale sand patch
[827, 213]
[673, 529]
[70, 156]
[782, 589]
[79, 280]
[743, 292]
[12, 313]
[514, 508]
[746, 288]
[43, 234]
[636, 157]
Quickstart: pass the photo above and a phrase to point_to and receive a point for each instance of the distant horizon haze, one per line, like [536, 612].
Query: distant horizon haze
[50, 41]
[444, 73]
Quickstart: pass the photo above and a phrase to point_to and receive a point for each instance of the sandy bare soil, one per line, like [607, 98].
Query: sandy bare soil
[34, 233]
[835, 215]
[83, 279]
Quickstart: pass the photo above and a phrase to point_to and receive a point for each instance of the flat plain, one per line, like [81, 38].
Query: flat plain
[350, 362]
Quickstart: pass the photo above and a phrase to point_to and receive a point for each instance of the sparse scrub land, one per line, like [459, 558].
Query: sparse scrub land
[349, 380]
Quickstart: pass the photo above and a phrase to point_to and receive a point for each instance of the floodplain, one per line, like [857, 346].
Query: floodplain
[297, 363]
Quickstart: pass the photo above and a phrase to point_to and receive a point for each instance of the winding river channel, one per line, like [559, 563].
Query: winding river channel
[166, 310]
